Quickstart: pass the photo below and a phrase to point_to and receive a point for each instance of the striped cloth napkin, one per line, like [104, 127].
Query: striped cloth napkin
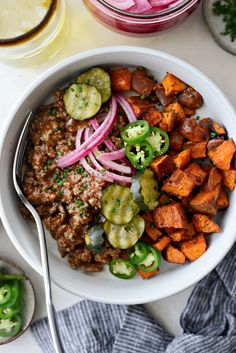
[208, 322]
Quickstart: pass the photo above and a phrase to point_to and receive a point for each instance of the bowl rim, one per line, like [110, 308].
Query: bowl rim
[29, 322]
[139, 298]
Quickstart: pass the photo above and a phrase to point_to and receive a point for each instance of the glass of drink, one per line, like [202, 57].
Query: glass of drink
[28, 27]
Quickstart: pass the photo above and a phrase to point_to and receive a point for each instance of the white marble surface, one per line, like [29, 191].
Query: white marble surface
[191, 42]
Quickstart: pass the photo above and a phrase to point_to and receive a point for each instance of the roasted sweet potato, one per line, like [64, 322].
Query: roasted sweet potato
[172, 85]
[141, 83]
[199, 150]
[223, 200]
[120, 79]
[179, 184]
[205, 202]
[190, 98]
[189, 112]
[171, 215]
[178, 235]
[150, 228]
[174, 255]
[191, 130]
[139, 106]
[168, 121]
[212, 144]
[203, 224]
[229, 178]
[176, 140]
[213, 179]
[162, 166]
[162, 243]
[176, 107]
[194, 248]
[153, 116]
[190, 231]
[182, 158]
[195, 172]
[160, 92]
[146, 275]
[220, 130]
[222, 155]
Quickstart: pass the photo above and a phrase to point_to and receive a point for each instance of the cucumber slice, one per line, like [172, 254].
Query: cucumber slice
[98, 78]
[124, 236]
[118, 205]
[82, 101]
[145, 190]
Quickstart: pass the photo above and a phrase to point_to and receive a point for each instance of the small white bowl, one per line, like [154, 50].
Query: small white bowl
[28, 299]
[104, 287]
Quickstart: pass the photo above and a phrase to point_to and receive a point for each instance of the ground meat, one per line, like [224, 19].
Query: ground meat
[67, 200]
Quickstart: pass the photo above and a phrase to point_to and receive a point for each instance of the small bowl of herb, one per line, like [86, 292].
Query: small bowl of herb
[17, 301]
[220, 17]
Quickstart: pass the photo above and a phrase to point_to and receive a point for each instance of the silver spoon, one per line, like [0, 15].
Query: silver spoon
[17, 180]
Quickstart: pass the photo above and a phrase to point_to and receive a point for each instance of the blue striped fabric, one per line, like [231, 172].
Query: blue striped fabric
[208, 322]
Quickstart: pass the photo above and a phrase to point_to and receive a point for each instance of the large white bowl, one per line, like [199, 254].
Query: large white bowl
[104, 287]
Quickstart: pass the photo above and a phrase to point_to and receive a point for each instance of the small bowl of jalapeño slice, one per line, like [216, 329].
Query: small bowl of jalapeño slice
[17, 301]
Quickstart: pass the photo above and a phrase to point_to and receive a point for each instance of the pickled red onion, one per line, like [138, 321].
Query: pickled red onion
[121, 4]
[126, 107]
[94, 140]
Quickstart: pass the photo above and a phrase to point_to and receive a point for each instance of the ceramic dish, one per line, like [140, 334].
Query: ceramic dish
[103, 287]
[28, 299]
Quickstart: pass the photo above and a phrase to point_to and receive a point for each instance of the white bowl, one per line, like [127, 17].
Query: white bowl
[104, 287]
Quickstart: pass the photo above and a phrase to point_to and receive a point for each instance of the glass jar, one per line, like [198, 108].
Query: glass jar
[35, 39]
[140, 24]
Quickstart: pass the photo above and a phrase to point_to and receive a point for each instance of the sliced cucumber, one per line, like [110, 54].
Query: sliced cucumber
[98, 78]
[82, 101]
[145, 190]
[124, 236]
[118, 205]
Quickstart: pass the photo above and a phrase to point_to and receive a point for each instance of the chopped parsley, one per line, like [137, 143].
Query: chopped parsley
[52, 111]
[227, 9]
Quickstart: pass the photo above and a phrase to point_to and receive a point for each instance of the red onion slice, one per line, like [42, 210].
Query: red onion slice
[112, 156]
[162, 2]
[141, 6]
[94, 140]
[121, 4]
[126, 107]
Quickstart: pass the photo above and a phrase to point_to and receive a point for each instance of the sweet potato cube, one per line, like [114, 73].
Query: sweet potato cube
[196, 173]
[162, 243]
[213, 179]
[174, 255]
[141, 83]
[189, 112]
[223, 200]
[177, 108]
[212, 144]
[160, 92]
[179, 184]
[182, 159]
[205, 202]
[178, 235]
[120, 79]
[150, 228]
[220, 130]
[203, 224]
[229, 178]
[146, 275]
[190, 231]
[171, 215]
[176, 140]
[172, 85]
[153, 116]
[194, 248]
[168, 121]
[199, 150]
[139, 106]
[222, 155]
[191, 130]
[162, 166]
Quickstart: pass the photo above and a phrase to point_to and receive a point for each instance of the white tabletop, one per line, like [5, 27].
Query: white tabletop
[191, 42]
